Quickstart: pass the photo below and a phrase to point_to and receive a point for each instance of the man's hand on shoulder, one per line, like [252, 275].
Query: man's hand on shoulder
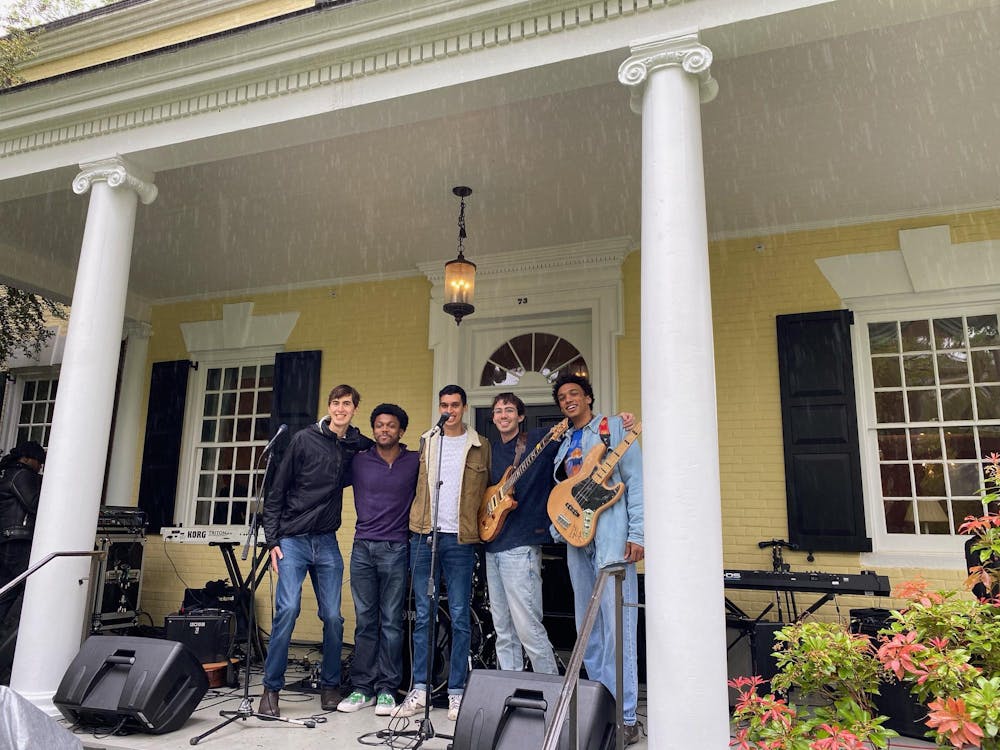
[628, 420]
[275, 556]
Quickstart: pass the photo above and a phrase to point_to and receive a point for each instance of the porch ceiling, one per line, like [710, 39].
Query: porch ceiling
[899, 120]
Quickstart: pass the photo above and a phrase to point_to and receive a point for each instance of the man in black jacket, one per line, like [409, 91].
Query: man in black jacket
[301, 518]
[20, 486]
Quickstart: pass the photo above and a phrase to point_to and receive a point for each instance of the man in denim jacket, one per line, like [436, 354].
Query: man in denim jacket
[618, 538]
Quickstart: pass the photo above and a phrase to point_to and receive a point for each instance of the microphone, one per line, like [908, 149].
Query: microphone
[440, 423]
[281, 431]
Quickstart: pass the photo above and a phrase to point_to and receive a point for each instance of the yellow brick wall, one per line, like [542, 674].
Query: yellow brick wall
[373, 336]
[749, 288]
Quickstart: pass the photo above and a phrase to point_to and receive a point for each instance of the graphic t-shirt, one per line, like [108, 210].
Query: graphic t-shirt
[574, 458]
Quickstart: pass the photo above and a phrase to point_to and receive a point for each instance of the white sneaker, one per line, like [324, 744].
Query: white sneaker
[385, 705]
[454, 704]
[355, 702]
[413, 703]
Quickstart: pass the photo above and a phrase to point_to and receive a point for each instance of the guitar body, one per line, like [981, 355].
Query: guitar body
[495, 507]
[576, 504]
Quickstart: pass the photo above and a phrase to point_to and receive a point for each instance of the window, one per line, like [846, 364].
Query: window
[543, 353]
[933, 413]
[38, 401]
[234, 422]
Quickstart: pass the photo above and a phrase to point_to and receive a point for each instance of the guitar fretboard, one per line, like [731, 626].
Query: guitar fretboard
[602, 472]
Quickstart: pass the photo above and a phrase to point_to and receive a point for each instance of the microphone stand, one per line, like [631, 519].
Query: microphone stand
[245, 710]
[425, 730]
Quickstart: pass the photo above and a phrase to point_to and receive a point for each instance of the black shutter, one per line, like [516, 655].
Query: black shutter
[161, 453]
[819, 421]
[296, 394]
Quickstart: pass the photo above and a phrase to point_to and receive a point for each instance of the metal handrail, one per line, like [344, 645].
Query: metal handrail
[568, 694]
[45, 561]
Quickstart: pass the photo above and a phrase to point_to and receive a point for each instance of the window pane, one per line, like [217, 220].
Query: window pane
[925, 444]
[206, 485]
[246, 403]
[223, 482]
[220, 513]
[543, 346]
[226, 427]
[264, 399]
[883, 338]
[243, 457]
[248, 379]
[202, 513]
[211, 405]
[29, 390]
[889, 407]
[42, 391]
[231, 378]
[522, 346]
[895, 480]
[960, 442]
[885, 371]
[929, 479]
[208, 431]
[964, 478]
[949, 333]
[241, 485]
[919, 370]
[266, 377]
[923, 406]
[26, 411]
[933, 517]
[228, 404]
[989, 441]
[213, 379]
[956, 404]
[986, 366]
[953, 367]
[243, 429]
[962, 509]
[898, 516]
[892, 445]
[988, 401]
[262, 428]
[915, 335]
[226, 458]
[208, 456]
[983, 330]
[239, 513]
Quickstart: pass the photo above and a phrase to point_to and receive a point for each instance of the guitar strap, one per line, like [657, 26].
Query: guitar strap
[522, 443]
[605, 432]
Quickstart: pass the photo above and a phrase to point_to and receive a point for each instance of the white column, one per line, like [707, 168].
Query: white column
[685, 621]
[52, 620]
[125, 445]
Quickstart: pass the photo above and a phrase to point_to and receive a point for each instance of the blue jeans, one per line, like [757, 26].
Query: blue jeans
[515, 580]
[378, 585]
[457, 562]
[599, 656]
[319, 555]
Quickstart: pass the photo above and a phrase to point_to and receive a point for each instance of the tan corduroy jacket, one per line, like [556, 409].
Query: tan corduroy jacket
[475, 480]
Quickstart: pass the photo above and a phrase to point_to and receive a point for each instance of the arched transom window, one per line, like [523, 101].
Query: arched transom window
[545, 353]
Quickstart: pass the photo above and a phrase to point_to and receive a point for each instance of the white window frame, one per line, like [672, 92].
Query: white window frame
[187, 481]
[902, 550]
[13, 396]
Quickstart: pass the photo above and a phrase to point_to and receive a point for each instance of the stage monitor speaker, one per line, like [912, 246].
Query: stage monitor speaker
[511, 711]
[144, 684]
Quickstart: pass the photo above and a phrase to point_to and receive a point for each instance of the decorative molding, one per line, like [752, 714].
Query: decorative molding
[926, 263]
[136, 329]
[238, 329]
[360, 58]
[687, 52]
[117, 173]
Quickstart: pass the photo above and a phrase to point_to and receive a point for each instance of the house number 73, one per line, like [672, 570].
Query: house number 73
[522, 300]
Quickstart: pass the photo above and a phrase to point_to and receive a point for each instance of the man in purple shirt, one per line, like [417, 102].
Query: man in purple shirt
[385, 479]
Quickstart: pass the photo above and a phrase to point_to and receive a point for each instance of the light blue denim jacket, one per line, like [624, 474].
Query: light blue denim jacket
[623, 521]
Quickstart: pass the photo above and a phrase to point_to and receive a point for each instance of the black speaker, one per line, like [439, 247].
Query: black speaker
[209, 633]
[145, 684]
[511, 710]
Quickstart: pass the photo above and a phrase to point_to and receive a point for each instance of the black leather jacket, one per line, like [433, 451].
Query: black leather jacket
[20, 487]
[307, 494]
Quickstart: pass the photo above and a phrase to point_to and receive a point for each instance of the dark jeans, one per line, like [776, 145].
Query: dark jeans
[457, 562]
[14, 556]
[378, 585]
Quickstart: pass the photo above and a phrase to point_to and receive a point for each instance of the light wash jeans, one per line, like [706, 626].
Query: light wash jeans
[319, 555]
[599, 656]
[515, 580]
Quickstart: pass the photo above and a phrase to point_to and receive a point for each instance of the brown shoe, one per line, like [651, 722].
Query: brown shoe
[631, 734]
[269, 704]
[329, 697]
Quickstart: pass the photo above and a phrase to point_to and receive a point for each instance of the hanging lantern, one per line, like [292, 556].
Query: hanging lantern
[460, 274]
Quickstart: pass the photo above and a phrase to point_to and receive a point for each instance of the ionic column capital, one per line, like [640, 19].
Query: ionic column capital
[686, 51]
[136, 329]
[117, 173]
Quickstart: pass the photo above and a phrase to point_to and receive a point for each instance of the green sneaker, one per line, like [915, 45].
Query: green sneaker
[386, 705]
[355, 702]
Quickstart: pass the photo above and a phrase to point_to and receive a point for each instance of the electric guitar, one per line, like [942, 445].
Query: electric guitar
[498, 500]
[575, 505]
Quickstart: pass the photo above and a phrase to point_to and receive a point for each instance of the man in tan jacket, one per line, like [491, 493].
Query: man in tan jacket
[464, 475]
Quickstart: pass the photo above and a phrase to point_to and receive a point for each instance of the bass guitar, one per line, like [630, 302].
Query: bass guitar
[576, 504]
[498, 500]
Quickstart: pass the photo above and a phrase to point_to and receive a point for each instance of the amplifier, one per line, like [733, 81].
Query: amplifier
[209, 633]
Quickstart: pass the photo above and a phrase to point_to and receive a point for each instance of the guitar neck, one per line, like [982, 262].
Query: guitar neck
[602, 472]
[526, 463]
